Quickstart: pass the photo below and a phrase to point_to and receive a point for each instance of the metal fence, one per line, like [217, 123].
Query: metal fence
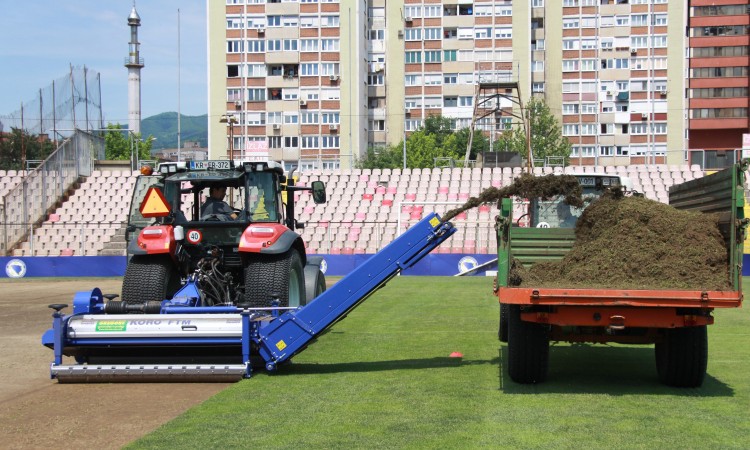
[28, 203]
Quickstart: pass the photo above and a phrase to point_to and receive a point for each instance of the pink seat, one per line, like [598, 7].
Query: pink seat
[484, 208]
[360, 216]
[392, 190]
[367, 197]
[443, 190]
[411, 196]
[54, 217]
[380, 190]
[67, 252]
[387, 202]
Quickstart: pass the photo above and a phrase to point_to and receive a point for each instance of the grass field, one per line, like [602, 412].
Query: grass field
[383, 378]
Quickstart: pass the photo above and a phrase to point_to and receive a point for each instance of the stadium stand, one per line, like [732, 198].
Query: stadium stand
[366, 209]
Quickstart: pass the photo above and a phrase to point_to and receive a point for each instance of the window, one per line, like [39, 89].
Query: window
[234, 46]
[309, 69]
[570, 129]
[607, 128]
[507, 33]
[570, 65]
[329, 45]
[309, 141]
[329, 68]
[465, 101]
[256, 46]
[413, 34]
[432, 56]
[330, 141]
[482, 33]
[255, 118]
[290, 45]
[309, 22]
[588, 108]
[291, 118]
[412, 11]
[309, 118]
[233, 71]
[274, 141]
[449, 55]
[376, 125]
[571, 23]
[433, 79]
[274, 21]
[234, 95]
[290, 21]
[537, 87]
[329, 21]
[291, 141]
[570, 108]
[331, 118]
[588, 129]
[256, 95]
[273, 45]
[432, 34]
[588, 65]
[413, 57]
[413, 80]
[450, 78]
[274, 117]
[450, 102]
[537, 66]
[375, 79]
[309, 45]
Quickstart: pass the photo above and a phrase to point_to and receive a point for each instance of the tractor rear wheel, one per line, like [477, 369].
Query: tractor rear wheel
[682, 358]
[150, 278]
[281, 275]
[315, 282]
[528, 348]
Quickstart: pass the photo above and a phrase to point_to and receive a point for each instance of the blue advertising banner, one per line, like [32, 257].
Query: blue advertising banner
[333, 265]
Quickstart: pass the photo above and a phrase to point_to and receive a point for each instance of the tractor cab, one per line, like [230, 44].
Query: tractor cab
[555, 213]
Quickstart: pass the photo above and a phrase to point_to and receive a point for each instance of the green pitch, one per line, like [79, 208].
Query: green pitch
[383, 378]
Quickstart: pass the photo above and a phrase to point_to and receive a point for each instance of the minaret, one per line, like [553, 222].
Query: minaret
[134, 63]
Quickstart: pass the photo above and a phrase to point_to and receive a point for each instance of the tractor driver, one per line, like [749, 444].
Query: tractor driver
[215, 206]
[565, 216]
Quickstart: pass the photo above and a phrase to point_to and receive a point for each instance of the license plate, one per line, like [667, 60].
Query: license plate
[587, 181]
[206, 165]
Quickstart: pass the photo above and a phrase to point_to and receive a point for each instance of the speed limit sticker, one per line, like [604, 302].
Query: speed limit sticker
[194, 236]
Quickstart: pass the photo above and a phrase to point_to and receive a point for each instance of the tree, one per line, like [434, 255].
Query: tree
[13, 144]
[546, 134]
[119, 144]
[436, 139]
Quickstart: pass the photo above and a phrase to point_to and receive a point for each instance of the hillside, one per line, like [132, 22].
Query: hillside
[164, 128]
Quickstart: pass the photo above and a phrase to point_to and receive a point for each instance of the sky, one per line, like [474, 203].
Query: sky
[40, 39]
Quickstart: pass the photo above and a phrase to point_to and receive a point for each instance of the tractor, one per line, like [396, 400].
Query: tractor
[248, 254]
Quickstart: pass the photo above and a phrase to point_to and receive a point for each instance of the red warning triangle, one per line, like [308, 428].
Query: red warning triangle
[154, 204]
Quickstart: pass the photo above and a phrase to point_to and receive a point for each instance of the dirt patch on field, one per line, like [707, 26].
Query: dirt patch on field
[36, 412]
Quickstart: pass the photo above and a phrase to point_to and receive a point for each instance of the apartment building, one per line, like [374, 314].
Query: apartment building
[318, 82]
[718, 79]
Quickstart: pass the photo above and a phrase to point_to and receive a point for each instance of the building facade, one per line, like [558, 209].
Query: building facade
[320, 81]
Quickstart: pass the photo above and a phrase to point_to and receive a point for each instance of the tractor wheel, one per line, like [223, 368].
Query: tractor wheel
[682, 358]
[281, 275]
[528, 349]
[150, 278]
[315, 282]
[502, 333]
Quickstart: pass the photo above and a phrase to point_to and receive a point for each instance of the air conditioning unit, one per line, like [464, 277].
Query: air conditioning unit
[644, 116]
[261, 31]
[379, 67]
[333, 127]
[663, 92]
[302, 102]
[400, 34]
[238, 103]
[334, 78]
[609, 92]
[408, 19]
[633, 51]
[407, 111]
[277, 126]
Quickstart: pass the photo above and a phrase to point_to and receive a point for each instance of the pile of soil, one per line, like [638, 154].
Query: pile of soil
[527, 186]
[637, 243]
[621, 242]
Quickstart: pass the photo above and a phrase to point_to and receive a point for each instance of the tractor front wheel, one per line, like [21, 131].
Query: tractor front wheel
[279, 275]
[150, 278]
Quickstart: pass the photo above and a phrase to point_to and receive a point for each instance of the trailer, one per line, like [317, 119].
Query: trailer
[186, 340]
[674, 321]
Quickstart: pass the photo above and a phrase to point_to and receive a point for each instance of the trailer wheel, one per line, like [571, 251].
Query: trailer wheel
[682, 358]
[528, 349]
[502, 332]
[150, 278]
[282, 274]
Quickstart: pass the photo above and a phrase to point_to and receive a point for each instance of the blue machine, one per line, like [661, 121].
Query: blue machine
[188, 342]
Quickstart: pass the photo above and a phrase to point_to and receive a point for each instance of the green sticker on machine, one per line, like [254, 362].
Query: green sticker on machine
[111, 325]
